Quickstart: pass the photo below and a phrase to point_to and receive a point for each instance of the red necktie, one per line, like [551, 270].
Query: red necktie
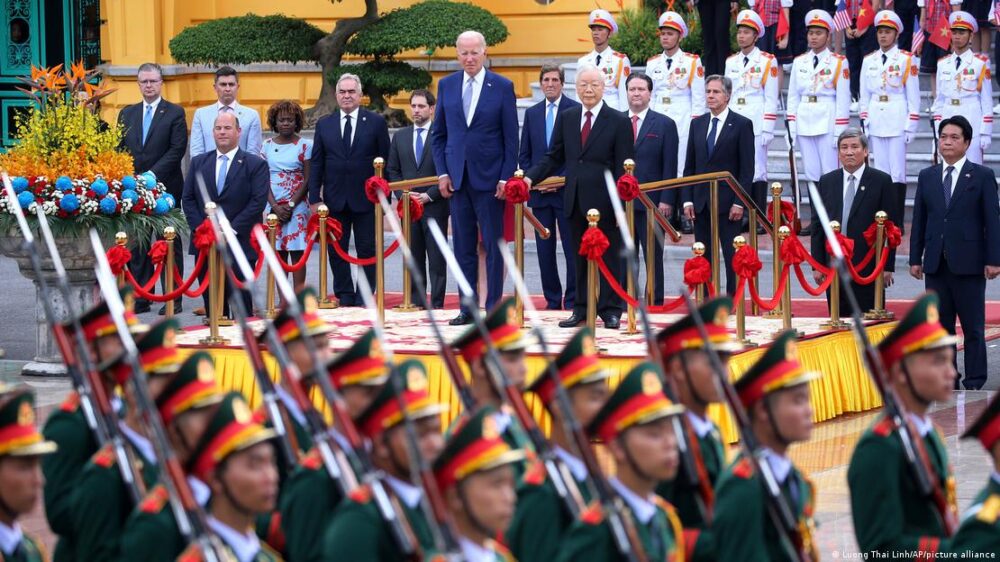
[585, 131]
[635, 128]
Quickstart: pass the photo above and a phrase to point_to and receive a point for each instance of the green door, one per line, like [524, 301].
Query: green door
[22, 39]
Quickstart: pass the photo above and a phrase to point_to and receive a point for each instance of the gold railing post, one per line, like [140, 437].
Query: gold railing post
[776, 221]
[519, 250]
[216, 293]
[324, 298]
[713, 208]
[879, 312]
[169, 234]
[786, 297]
[593, 217]
[121, 239]
[651, 266]
[754, 308]
[379, 249]
[698, 249]
[407, 304]
[741, 316]
[835, 323]
[630, 279]
[272, 238]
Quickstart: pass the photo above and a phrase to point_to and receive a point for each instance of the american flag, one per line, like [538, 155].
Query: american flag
[918, 35]
[841, 20]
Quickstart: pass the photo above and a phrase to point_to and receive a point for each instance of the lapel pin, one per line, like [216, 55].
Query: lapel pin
[968, 175]
[363, 118]
[862, 188]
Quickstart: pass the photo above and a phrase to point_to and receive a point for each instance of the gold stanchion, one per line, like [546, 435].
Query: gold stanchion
[324, 298]
[379, 249]
[216, 293]
[754, 308]
[698, 249]
[651, 267]
[835, 323]
[272, 238]
[407, 304]
[786, 297]
[741, 316]
[630, 279]
[879, 312]
[775, 243]
[519, 250]
[593, 217]
[713, 208]
[121, 239]
[169, 234]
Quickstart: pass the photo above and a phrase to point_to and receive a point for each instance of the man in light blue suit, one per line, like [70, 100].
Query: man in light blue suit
[226, 86]
[475, 150]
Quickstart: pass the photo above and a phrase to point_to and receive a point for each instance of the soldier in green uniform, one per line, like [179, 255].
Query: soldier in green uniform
[98, 532]
[775, 394]
[475, 475]
[21, 449]
[356, 531]
[236, 458]
[541, 519]
[185, 406]
[890, 514]
[980, 530]
[68, 428]
[310, 496]
[687, 366]
[636, 427]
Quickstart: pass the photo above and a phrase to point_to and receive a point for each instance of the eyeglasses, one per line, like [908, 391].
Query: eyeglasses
[149, 82]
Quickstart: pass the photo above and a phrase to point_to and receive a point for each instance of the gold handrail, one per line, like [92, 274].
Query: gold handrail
[403, 185]
[727, 177]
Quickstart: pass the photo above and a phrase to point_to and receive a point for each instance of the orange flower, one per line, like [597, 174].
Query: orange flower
[77, 71]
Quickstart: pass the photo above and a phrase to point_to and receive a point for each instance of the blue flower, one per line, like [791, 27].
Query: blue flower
[161, 206]
[128, 182]
[130, 195]
[99, 187]
[69, 203]
[64, 183]
[109, 205]
[149, 178]
[20, 184]
[25, 199]
[169, 199]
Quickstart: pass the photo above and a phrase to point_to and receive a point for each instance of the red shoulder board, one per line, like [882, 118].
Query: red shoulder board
[154, 500]
[191, 554]
[361, 494]
[104, 457]
[743, 469]
[71, 403]
[535, 475]
[884, 427]
[982, 57]
[312, 460]
[593, 515]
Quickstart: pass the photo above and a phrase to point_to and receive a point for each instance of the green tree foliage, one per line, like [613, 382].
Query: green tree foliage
[382, 78]
[245, 40]
[638, 36]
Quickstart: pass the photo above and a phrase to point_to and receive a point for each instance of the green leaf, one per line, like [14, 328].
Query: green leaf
[139, 227]
[245, 40]
[383, 78]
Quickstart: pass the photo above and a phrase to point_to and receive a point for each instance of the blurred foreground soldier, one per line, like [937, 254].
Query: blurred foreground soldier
[614, 66]
[980, 530]
[891, 515]
[775, 393]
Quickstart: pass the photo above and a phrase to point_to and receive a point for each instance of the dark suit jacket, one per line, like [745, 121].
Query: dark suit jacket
[607, 148]
[734, 153]
[248, 182]
[968, 231]
[165, 145]
[874, 194]
[533, 147]
[338, 179]
[402, 165]
[656, 155]
[486, 149]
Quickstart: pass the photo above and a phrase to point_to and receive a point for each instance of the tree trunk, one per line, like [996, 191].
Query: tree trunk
[329, 51]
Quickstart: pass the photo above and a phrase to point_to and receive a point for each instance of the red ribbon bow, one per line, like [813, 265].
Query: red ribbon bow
[628, 187]
[516, 190]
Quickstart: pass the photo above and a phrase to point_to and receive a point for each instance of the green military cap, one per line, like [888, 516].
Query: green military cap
[475, 445]
[384, 412]
[919, 330]
[191, 386]
[577, 363]
[288, 327]
[19, 436]
[97, 321]
[158, 353]
[363, 363]
[638, 400]
[777, 368]
[986, 428]
[504, 329]
[684, 334]
[231, 429]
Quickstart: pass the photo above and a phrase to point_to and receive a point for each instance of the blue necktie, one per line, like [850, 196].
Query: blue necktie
[147, 120]
[947, 186]
[220, 182]
[710, 143]
[467, 98]
[550, 122]
[420, 145]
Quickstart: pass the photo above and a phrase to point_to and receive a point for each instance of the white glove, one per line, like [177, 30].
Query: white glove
[907, 137]
[766, 138]
[985, 141]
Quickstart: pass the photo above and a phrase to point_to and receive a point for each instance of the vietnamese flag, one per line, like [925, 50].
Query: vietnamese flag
[940, 32]
[866, 15]
[782, 25]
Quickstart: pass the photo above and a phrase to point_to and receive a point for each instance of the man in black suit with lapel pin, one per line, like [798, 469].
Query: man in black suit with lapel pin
[238, 182]
[410, 157]
[536, 137]
[155, 134]
[720, 141]
[588, 140]
[852, 195]
[955, 240]
[656, 141]
[345, 146]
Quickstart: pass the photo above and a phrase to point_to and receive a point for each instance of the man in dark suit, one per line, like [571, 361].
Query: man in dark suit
[155, 134]
[237, 181]
[591, 139]
[475, 151]
[955, 240]
[536, 137]
[345, 146]
[720, 140]
[409, 158]
[656, 141]
[715, 16]
[852, 195]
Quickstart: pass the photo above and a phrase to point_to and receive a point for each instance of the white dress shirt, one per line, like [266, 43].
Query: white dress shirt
[245, 545]
[232, 106]
[638, 125]
[154, 104]
[477, 88]
[701, 426]
[593, 114]
[780, 465]
[290, 405]
[642, 508]
[407, 493]
[472, 552]
[229, 163]
[425, 136]
[10, 538]
[843, 191]
[954, 173]
[354, 122]
[200, 490]
[923, 424]
[575, 465]
[138, 441]
[718, 128]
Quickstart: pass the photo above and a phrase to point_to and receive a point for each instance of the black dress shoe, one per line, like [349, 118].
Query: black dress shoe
[141, 306]
[687, 226]
[460, 320]
[572, 322]
[178, 308]
[612, 322]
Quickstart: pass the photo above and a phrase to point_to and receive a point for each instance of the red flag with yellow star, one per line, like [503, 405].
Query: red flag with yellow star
[866, 15]
[938, 31]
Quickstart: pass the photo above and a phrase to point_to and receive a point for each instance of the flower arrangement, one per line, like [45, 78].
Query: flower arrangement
[68, 163]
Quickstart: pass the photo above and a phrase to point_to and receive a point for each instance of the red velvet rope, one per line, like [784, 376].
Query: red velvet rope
[746, 264]
[893, 236]
[158, 252]
[416, 209]
[621, 292]
[362, 261]
[333, 226]
[144, 293]
[373, 185]
[152, 279]
[787, 214]
[516, 190]
[628, 187]
[818, 290]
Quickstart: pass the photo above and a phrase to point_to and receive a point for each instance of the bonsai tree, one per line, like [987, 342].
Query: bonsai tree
[245, 40]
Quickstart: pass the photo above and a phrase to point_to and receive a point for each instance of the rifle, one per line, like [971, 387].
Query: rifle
[190, 518]
[913, 445]
[622, 530]
[935, 157]
[793, 170]
[98, 412]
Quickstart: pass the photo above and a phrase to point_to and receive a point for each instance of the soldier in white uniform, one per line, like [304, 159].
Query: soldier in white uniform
[755, 93]
[890, 101]
[964, 86]
[819, 97]
[614, 66]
